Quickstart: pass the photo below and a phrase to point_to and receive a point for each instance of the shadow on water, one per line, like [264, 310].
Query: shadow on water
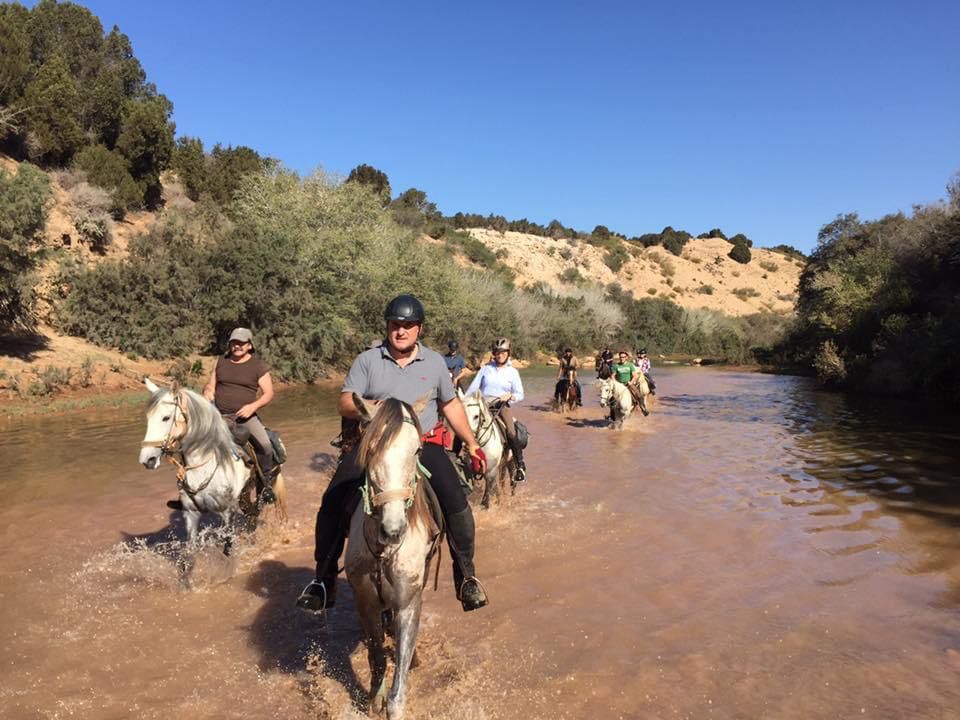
[288, 638]
[588, 422]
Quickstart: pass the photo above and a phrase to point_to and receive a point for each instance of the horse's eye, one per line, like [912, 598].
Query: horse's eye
[165, 418]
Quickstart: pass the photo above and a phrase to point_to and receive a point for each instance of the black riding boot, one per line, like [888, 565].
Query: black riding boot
[330, 535]
[265, 461]
[460, 536]
[521, 473]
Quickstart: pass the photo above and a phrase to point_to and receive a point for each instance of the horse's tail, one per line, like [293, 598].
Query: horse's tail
[280, 490]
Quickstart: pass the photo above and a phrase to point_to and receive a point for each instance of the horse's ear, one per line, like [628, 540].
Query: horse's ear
[367, 410]
[151, 385]
[420, 404]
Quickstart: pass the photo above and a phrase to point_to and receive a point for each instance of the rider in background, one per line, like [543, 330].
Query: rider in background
[499, 380]
[402, 368]
[455, 362]
[233, 386]
[643, 362]
[568, 371]
[605, 361]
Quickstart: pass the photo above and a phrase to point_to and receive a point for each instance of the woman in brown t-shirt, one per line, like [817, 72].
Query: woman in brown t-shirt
[233, 387]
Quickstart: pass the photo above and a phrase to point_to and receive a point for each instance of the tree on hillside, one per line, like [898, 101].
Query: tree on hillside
[413, 209]
[51, 100]
[190, 163]
[120, 77]
[375, 179]
[14, 52]
[146, 141]
[23, 215]
[228, 166]
[740, 239]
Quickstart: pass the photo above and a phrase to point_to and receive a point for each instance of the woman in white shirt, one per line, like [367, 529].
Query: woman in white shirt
[499, 381]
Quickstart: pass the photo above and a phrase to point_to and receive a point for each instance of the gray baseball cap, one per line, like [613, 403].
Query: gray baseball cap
[241, 334]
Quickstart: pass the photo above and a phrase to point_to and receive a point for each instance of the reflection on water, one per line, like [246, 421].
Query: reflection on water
[755, 548]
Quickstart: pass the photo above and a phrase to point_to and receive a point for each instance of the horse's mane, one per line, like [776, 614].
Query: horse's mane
[206, 430]
[382, 430]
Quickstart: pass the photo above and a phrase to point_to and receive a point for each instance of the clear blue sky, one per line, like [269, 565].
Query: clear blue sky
[760, 117]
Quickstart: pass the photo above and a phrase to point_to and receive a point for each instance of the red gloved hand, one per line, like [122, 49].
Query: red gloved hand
[478, 462]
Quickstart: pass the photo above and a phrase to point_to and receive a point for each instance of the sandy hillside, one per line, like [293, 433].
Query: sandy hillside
[703, 277]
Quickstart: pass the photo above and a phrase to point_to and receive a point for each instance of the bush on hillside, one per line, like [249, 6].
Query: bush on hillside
[23, 214]
[740, 253]
[108, 170]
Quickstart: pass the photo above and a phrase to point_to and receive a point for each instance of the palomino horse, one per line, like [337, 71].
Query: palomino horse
[491, 438]
[213, 476]
[565, 395]
[393, 537]
[618, 397]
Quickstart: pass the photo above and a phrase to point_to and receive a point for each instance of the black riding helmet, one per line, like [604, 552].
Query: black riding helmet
[404, 308]
[453, 345]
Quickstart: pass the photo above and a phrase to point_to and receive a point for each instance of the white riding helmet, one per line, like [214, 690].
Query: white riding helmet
[501, 343]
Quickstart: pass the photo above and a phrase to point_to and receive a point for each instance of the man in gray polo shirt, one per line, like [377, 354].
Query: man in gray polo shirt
[404, 369]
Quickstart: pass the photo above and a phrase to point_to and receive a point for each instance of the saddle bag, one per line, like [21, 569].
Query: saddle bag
[523, 435]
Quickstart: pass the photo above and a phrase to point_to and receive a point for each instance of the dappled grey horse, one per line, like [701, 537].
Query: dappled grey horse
[393, 537]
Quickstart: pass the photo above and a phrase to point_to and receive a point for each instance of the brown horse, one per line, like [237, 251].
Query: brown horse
[565, 396]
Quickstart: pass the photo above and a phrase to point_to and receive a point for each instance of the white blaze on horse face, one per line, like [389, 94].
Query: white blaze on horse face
[164, 423]
[395, 471]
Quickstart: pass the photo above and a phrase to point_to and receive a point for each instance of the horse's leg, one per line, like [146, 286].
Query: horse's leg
[371, 618]
[185, 560]
[228, 531]
[408, 625]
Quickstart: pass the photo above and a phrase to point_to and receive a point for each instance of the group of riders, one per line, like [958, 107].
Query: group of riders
[621, 368]
[399, 367]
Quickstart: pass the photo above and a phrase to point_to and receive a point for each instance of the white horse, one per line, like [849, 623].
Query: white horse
[617, 396]
[213, 476]
[492, 439]
[393, 537]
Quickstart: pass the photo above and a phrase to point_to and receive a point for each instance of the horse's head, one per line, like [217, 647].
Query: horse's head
[166, 424]
[389, 453]
[606, 390]
[477, 412]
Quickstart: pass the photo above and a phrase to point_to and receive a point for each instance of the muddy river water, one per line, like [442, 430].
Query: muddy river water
[754, 549]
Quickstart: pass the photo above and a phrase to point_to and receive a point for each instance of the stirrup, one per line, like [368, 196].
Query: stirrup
[312, 601]
[175, 504]
[520, 475]
[471, 605]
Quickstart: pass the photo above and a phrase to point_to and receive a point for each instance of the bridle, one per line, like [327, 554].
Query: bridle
[484, 429]
[169, 445]
[170, 448]
[374, 498]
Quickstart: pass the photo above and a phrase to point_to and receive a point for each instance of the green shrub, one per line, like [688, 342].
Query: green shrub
[571, 276]
[769, 266]
[651, 291]
[745, 293]
[566, 253]
[85, 373]
[49, 381]
[109, 170]
[23, 215]
[740, 253]
[616, 256]
[705, 289]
